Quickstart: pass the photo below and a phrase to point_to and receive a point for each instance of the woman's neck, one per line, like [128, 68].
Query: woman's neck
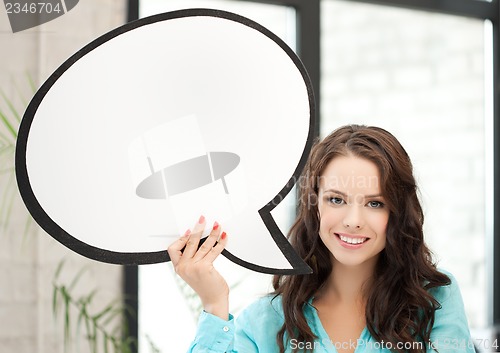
[346, 284]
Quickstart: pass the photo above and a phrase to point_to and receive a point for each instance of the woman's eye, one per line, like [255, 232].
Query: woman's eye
[336, 200]
[375, 204]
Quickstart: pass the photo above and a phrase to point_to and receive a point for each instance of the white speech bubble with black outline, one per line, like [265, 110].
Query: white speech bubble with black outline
[161, 120]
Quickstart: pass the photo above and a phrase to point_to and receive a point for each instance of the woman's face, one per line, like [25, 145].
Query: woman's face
[353, 214]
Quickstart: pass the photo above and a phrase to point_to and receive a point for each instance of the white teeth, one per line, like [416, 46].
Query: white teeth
[352, 240]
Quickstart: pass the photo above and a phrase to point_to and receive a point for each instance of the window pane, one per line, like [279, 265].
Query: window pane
[168, 309]
[278, 19]
[421, 76]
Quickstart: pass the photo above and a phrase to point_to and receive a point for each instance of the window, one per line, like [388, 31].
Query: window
[426, 71]
[421, 76]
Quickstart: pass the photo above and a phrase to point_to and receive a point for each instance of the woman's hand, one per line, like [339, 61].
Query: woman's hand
[195, 267]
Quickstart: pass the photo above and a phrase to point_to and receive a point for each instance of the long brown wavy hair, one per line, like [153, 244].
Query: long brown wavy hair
[399, 306]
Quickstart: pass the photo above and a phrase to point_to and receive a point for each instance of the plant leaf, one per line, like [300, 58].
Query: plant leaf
[12, 109]
[59, 267]
[31, 82]
[105, 338]
[94, 337]
[102, 313]
[82, 315]
[54, 300]
[112, 315]
[77, 278]
[8, 125]
[67, 300]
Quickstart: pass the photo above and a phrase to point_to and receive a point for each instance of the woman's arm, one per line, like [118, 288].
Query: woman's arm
[218, 331]
[253, 331]
[213, 335]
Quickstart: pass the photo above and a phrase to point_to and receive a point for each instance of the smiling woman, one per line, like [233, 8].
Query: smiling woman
[381, 288]
[374, 287]
[355, 217]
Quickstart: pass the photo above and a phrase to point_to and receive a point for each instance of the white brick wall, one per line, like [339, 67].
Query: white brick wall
[28, 261]
[420, 76]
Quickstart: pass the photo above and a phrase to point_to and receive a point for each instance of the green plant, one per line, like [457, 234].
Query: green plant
[10, 118]
[104, 328]
[8, 134]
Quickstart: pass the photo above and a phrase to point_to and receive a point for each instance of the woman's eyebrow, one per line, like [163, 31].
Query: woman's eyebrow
[373, 196]
[337, 192]
[345, 195]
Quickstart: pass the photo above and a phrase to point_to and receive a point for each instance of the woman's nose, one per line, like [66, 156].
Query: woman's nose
[353, 218]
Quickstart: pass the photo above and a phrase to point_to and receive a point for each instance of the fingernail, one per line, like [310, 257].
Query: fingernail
[223, 235]
[201, 220]
[187, 233]
[216, 225]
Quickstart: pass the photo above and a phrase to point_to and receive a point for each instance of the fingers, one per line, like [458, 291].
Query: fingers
[208, 244]
[194, 239]
[217, 249]
[186, 247]
[175, 249]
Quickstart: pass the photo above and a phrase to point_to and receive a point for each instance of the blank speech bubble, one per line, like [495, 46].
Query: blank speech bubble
[159, 121]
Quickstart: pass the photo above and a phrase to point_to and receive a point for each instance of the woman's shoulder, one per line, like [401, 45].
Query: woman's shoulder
[449, 293]
[450, 332]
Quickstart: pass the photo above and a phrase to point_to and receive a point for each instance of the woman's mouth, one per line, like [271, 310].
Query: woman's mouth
[351, 241]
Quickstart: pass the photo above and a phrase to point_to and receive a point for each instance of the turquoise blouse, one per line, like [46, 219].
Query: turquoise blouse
[255, 329]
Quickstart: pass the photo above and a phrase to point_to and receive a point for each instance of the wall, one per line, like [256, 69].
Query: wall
[28, 259]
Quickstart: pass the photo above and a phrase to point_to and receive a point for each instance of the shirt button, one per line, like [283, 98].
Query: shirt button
[225, 328]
